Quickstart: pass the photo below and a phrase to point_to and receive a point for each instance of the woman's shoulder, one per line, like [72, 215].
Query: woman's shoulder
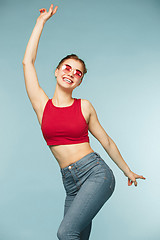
[85, 101]
[86, 104]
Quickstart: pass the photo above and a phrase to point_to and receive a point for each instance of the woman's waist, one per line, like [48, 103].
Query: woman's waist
[71, 153]
[90, 163]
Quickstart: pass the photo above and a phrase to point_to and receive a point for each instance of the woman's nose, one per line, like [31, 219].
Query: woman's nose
[71, 73]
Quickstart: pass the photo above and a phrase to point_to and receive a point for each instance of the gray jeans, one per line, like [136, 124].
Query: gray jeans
[88, 183]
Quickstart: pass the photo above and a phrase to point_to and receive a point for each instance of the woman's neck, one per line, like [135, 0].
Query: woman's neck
[61, 97]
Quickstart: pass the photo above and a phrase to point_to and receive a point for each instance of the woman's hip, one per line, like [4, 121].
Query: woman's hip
[89, 168]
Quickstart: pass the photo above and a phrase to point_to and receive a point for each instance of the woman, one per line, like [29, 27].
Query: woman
[65, 121]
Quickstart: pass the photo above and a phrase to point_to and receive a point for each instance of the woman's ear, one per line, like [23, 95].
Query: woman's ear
[56, 72]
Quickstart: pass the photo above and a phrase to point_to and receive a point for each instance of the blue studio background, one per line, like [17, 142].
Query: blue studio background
[119, 41]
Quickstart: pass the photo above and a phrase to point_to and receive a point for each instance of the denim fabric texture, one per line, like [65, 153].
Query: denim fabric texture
[88, 184]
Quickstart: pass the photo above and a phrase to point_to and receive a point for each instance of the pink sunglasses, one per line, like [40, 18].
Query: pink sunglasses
[67, 69]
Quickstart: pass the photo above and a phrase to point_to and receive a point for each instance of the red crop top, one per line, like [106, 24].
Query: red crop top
[64, 125]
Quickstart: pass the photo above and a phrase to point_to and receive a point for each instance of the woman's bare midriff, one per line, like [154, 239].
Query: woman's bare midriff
[71, 153]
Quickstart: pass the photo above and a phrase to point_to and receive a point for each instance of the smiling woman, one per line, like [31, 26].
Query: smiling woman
[88, 180]
[71, 70]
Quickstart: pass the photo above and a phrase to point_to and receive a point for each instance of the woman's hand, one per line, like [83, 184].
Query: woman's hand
[44, 15]
[132, 178]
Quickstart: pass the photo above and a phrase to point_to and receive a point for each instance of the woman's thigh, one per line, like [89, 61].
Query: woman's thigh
[84, 235]
[90, 198]
[88, 184]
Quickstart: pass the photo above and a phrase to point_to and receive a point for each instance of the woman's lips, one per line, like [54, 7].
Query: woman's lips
[65, 80]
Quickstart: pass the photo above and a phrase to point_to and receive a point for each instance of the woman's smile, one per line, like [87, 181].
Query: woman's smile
[69, 81]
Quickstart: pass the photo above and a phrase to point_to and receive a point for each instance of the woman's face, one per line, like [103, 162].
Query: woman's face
[70, 79]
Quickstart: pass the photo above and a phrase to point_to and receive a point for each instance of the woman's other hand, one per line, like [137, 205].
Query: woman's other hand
[132, 178]
[44, 15]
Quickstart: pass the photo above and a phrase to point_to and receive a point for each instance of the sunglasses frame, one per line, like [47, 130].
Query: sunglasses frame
[71, 69]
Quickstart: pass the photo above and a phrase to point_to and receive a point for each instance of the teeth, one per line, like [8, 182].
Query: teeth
[65, 79]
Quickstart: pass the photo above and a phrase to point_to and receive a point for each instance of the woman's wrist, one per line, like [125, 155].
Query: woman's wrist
[126, 171]
[40, 21]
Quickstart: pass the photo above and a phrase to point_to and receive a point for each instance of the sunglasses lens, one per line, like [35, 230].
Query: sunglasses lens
[66, 68]
[78, 74]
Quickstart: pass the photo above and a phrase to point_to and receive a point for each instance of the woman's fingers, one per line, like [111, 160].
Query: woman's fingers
[142, 177]
[135, 177]
[51, 11]
[135, 183]
[43, 10]
[55, 10]
[139, 176]
[44, 15]
[129, 182]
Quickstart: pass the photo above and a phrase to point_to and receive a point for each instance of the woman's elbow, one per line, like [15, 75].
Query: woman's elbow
[106, 143]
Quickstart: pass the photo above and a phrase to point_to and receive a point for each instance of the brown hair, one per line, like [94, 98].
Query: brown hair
[73, 56]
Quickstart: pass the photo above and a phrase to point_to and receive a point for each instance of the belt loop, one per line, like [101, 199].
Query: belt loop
[97, 154]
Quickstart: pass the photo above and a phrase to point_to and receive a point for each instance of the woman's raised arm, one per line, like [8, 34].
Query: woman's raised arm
[34, 91]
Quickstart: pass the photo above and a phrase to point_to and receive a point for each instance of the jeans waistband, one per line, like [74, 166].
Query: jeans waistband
[79, 162]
